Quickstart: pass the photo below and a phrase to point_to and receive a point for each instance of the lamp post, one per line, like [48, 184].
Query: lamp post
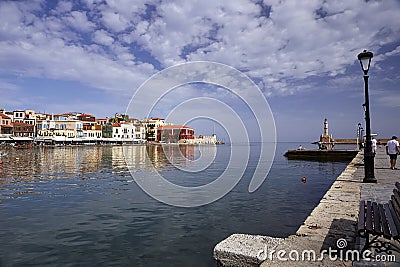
[365, 61]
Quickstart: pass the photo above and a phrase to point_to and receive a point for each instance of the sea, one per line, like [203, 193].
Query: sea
[81, 206]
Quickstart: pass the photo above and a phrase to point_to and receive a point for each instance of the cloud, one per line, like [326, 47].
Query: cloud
[63, 7]
[79, 21]
[391, 101]
[282, 45]
[102, 37]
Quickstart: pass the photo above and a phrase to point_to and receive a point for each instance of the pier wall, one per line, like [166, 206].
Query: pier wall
[333, 218]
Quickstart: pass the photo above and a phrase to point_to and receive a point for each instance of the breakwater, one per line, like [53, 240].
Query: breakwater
[322, 155]
[333, 218]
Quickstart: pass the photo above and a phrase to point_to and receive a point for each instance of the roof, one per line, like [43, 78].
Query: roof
[174, 127]
[116, 125]
[21, 123]
[4, 116]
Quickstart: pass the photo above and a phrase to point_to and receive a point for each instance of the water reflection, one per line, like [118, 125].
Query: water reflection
[21, 166]
[69, 206]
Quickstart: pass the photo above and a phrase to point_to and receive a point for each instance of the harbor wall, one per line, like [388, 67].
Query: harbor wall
[333, 218]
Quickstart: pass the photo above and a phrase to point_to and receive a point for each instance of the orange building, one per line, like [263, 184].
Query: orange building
[174, 133]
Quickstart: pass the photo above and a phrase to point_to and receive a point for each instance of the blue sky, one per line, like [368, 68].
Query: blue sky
[91, 56]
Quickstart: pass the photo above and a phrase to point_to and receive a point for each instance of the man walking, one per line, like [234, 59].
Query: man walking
[392, 148]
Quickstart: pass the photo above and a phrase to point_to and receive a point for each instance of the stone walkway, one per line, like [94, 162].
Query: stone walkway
[331, 224]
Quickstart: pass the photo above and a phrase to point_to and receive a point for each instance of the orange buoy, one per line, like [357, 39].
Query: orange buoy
[304, 179]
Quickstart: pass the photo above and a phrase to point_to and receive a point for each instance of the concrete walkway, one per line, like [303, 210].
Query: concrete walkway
[330, 226]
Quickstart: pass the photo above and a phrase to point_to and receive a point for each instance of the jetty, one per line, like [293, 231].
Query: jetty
[332, 221]
[321, 155]
[325, 151]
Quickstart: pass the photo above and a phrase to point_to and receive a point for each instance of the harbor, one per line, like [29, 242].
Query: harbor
[332, 225]
[66, 204]
[334, 218]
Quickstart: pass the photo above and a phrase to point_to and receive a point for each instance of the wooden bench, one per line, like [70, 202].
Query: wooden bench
[381, 220]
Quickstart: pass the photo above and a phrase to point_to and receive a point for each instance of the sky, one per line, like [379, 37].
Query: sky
[92, 56]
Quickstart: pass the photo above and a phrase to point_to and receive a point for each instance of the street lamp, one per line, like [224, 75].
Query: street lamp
[365, 61]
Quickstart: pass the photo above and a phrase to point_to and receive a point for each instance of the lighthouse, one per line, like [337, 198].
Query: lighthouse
[326, 138]
[326, 127]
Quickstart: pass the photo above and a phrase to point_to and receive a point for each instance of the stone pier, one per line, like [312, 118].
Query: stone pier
[331, 224]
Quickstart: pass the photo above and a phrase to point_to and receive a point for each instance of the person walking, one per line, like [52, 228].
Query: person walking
[374, 145]
[392, 148]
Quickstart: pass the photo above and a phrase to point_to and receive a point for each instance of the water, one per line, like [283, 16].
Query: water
[79, 206]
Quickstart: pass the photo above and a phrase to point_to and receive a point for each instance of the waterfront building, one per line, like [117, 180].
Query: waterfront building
[90, 129]
[206, 139]
[128, 131]
[6, 129]
[94, 132]
[116, 130]
[59, 125]
[140, 132]
[107, 130]
[30, 118]
[174, 133]
[21, 129]
[101, 122]
[151, 125]
[72, 126]
[18, 116]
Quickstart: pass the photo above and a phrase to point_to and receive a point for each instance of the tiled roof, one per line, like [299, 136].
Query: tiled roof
[174, 127]
[4, 116]
[21, 123]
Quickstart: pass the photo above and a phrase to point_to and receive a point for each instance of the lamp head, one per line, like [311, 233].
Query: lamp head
[365, 60]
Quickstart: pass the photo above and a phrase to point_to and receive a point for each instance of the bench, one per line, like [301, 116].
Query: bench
[378, 220]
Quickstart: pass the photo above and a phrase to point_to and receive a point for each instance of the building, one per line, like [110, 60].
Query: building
[59, 125]
[206, 139]
[6, 128]
[140, 133]
[151, 125]
[90, 128]
[18, 116]
[101, 122]
[107, 131]
[174, 133]
[21, 129]
[116, 130]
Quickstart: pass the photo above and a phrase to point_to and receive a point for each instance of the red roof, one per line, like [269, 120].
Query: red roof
[4, 116]
[21, 123]
[116, 125]
[174, 127]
